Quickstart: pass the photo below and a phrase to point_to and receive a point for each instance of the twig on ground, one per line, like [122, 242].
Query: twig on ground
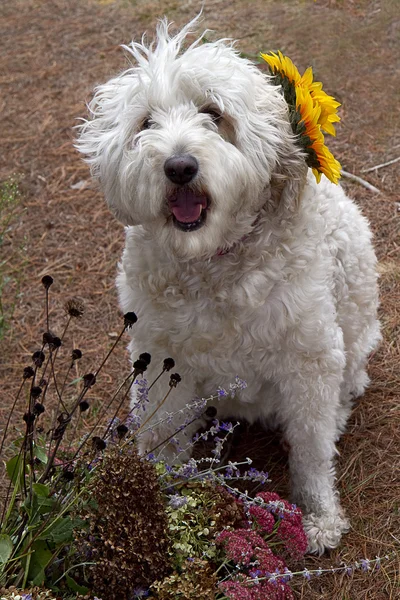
[385, 164]
[361, 181]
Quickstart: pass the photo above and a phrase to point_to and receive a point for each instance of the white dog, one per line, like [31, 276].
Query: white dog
[237, 262]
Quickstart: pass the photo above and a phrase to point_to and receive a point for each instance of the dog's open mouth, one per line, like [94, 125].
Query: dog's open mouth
[188, 208]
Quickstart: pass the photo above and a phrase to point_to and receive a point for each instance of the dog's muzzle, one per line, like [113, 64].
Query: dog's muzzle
[188, 207]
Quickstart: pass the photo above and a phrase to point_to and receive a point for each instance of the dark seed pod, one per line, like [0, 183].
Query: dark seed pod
[68, 475]
[130, 319]
[174, 379]
[122, 430]
[146, 357]
[63, 418]
[47, 281]
[169, 364]
[98, 443]
[76, 354]
[28, 373]
[38, 409]
[210, 412]
[47, 338]
[56, 342]
[83, 406]
[43, 382]
[140, 365]
[36, 391]
[28, 417]
[38, 358]
[89, 380]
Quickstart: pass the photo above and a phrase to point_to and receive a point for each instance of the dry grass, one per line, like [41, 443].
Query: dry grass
[52, 53]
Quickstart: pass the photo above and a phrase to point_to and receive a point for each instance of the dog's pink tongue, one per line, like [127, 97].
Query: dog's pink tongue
[186, 206]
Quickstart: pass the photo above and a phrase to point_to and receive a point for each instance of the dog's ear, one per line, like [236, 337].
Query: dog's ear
[104, 136]
[286, 187]
[281, 151]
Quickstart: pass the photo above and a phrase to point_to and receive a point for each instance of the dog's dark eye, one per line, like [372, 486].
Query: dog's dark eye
[214, 114]
[146, 124]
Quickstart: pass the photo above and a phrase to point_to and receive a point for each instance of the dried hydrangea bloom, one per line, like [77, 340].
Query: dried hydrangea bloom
[127, 536]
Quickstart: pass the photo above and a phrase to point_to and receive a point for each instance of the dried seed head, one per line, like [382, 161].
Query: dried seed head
[210, 412]
[83, 406]
[43, 382]
[36, 391]
[122, 430]
[146, 357]
[38, 409]
[130, 319]
[63, 418]
[140, 365]
[47, 338]
[89, 380]
[98, 443]
[28, 417]
[169, 364]
[174, 379]
[38, 358]
[56, 342]
[76, 354]
[74, 308]
[47, 281]
[28, 373]
[68, 475]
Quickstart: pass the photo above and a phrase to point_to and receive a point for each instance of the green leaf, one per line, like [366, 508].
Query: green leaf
[41, 490]
[6, 548]
[40, 558]
[15, 468]
[41, 454]
[75, 587]
[61, 532]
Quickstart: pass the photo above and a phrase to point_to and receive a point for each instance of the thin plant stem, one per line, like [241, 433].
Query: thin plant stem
[5, 515]
[10, 415]
[120, 404]
[132, 437]
[110, 351]
[132, 373]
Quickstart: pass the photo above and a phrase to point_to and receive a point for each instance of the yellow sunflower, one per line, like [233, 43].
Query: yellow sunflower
[311, 111]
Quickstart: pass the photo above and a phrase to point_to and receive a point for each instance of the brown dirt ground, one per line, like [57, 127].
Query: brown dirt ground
[52, 53]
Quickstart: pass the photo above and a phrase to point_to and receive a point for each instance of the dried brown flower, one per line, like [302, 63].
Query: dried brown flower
[47, 281]
[128, 529]
[197, 580]
[168, 364]
[130, 319]
[74, 308]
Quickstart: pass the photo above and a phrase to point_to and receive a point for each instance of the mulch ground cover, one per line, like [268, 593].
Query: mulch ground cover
[52, 53]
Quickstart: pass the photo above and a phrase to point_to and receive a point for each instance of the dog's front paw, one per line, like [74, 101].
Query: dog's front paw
[324, 531]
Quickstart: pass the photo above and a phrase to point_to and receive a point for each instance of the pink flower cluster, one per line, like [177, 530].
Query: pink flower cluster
[237, 590]
[247, 549]
[289, 519]
[261, 575]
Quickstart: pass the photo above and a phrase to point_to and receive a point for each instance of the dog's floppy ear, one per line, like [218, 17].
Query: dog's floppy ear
[287, 184]
[102, 138]
[280, 147]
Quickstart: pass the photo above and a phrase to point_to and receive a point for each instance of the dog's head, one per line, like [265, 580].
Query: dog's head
[190, 144]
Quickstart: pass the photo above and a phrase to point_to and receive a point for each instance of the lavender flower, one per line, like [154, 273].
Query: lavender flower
[176, 501]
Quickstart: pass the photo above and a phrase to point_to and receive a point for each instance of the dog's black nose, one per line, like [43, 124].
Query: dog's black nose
[181, 169]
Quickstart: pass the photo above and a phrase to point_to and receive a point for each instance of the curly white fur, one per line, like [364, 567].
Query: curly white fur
[278, 286]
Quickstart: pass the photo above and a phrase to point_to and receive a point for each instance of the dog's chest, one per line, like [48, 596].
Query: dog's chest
[207, 313]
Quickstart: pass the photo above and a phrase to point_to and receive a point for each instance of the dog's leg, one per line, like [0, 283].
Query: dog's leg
[310, 392]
